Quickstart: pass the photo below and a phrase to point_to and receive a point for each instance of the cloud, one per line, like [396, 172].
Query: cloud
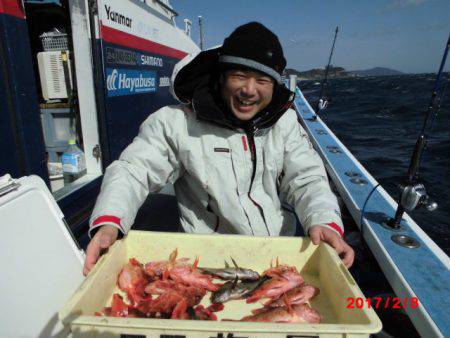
[399, 4]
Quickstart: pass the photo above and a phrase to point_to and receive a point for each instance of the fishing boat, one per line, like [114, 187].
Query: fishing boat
[112, 70]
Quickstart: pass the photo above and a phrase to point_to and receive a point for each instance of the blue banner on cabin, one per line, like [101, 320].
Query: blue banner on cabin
[121, 82]
[125, 113]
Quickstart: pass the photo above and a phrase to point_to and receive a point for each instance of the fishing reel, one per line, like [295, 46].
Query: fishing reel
[322, 104]
[414, 196]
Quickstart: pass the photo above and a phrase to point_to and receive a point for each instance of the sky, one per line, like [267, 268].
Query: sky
[406, 35]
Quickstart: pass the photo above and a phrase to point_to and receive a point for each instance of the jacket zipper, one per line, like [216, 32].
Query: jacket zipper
[251, 141]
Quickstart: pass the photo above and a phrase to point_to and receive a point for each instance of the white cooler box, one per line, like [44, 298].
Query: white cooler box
[41, 264]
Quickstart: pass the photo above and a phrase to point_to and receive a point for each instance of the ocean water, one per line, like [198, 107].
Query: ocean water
[379, 120]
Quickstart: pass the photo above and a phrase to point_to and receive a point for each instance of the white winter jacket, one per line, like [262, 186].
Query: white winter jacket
[211, 169]
[227, 179]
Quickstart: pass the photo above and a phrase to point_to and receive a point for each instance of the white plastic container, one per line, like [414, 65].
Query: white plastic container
[319, 265]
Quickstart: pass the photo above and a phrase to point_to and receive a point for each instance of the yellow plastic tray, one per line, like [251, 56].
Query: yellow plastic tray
[319, 265]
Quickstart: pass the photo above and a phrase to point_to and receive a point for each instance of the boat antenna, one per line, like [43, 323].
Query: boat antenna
[322, 103]
[413, 194]
[200, 24]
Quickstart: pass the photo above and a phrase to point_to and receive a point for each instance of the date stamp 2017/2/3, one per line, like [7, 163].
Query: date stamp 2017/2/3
[380, 302]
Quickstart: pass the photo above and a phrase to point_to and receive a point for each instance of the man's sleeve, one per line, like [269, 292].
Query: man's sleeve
[145, 166]
[305, 182]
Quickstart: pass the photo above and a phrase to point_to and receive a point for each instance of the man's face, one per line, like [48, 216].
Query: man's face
[246, 92]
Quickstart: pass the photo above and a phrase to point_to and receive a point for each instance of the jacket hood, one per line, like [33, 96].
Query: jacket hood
[195, 81]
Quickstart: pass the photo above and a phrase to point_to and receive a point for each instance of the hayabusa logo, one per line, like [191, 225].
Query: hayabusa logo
[130, 81]
[111, 80]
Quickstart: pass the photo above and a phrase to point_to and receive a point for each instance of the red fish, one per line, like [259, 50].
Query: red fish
[160, 269]
[190, 275]
[169, 303]
[158, 287]
[192, 294]
[278, 269]
[203, 313]
[119, 308]
[132, 280]
[296, 314]
[299, 295]
[280, 283]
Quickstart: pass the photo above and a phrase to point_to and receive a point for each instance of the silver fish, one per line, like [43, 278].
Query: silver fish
[231, 273]
[232, 290]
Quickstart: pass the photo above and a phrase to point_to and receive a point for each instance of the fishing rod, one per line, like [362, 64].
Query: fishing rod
[321, 104]
[200, 25]
[413, 194]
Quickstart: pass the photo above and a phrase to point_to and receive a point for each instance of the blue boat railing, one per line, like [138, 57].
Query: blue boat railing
[422, 272]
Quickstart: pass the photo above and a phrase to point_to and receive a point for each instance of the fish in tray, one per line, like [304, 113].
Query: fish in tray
[119, 308]
[193, 295]
[233, 290]
[283, 278]
[231, 273]
[190, 275]
[298, 295]
[202, 313]
[133, 280]
[158, 269]
[174, 288]
[302, 313]
[170, 288]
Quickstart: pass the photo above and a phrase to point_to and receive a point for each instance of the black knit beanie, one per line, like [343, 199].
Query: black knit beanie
[254, 46]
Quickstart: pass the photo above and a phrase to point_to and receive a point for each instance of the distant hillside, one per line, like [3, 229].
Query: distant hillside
[377, 71]
[318, 73]
[335, 72]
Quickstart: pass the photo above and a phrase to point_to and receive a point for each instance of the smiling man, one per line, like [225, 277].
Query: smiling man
[246, 93]
[231, 149]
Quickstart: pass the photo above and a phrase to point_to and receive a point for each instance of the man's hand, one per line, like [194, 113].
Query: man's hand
[103, 239]
[319, 233]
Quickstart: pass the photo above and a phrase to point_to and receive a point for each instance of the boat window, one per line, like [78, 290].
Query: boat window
[66, 101]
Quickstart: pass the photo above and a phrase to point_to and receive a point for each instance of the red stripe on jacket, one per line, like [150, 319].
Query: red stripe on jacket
[107, 219]
[244, 142]
[336, 227]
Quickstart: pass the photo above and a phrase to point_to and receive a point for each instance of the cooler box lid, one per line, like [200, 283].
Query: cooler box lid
[41, 263]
